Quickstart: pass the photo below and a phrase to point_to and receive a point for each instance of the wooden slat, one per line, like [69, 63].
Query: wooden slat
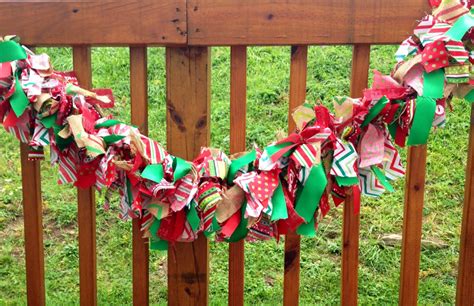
[238, 117]
[412, 225]
[283, 22]
[465, 287]
[188, 122]
[33, 224]
[351, 221]
[139, 109]
[95, 21]
[86, 201]
[298, 70]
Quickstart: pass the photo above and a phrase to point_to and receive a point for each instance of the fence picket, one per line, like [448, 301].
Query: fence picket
[188, 122]
[298, 71]
[86, 211]
[238, 113]
[351, 221]
[465, 287]
[139, 112]
[33, 225]
[412, 225]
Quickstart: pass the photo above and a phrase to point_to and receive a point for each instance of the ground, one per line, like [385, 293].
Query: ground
[268, 79]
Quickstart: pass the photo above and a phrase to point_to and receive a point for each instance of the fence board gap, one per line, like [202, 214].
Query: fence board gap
[298, 73]
[351, 221]
[188, 122]
[86, 200]
[139, 114]
[238, 116]
[465, 286]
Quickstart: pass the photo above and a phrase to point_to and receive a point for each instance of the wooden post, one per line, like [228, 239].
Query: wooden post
[238, 117]
[351, 221]
[412, 225]
[139, 110]
[188, 122]
[33, 224]
[298, 70]
[86, 201]
[465, 287]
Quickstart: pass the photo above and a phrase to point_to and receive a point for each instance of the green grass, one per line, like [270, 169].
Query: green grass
[268, 79]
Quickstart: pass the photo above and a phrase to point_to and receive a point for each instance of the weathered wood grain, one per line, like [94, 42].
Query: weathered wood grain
[238, 119]
[139, 114]
[86, 211]
[465, 287]
[188, 122]
[412, 225]
[351, 221]
[298, 72]
[283, 22]
[33, 225]
[103, 22]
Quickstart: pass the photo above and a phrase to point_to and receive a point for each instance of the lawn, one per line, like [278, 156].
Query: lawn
[268, 82]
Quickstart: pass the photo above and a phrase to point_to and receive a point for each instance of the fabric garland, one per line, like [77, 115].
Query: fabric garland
[265, 193]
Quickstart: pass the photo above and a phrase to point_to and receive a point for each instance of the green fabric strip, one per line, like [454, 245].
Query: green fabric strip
[392, 129]
[241, 230]
[180, 167]
[461, 26]
[155, 226]
[18, 101]
[375, 110]
[382, 178]
[11, 51]
[153, 173]
[61, 142]
[112, 138]
[279, 204]
[470, 96]
[239, 163]
[49, 121]
[158, 244]
[347, 181]
[107, 123]
[308, 200]
[433, 84]
[307, 229]
[424, 113]
[193, 217]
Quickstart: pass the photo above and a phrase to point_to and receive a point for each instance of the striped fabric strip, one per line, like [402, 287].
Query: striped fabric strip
[369, 184]
[345, 157]
[449, 11]
[407, 48]
[392, 162]
[306, 155]
[436, 33]
[67, 168]
[21, 134]
[457, 51]
[424, 26]
[40, 135]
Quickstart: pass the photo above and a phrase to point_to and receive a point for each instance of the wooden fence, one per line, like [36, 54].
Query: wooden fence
[187, 28]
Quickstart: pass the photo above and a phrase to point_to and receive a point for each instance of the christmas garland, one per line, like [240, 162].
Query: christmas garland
[264, 193]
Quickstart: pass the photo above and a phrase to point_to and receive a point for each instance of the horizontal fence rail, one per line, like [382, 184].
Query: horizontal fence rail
[211, 22]
[188, 28]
